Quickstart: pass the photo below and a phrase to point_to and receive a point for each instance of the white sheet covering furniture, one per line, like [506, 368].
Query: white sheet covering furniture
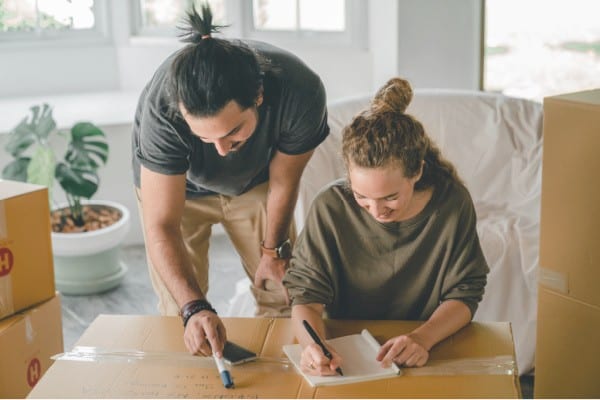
[496, 144]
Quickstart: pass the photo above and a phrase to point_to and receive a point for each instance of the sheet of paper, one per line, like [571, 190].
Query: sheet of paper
[358, 353]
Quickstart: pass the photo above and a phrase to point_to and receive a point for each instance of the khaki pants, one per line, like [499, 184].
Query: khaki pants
[244, 220]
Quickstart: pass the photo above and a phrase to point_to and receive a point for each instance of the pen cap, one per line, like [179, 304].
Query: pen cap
[226, 378]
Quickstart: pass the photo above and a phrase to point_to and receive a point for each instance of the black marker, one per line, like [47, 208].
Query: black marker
[317, 340]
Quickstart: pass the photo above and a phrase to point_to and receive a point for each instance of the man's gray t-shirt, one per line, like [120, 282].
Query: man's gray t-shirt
[292, 120]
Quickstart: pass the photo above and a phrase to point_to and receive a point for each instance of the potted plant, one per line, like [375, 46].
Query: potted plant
[86, 235]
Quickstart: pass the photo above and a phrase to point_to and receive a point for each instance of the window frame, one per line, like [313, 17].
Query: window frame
[100, 33]
[354, 36]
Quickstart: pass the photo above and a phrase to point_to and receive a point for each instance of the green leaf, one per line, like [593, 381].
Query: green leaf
[18, 142]
[77, 182]
[36, 127]
[41, 167]
[16, 170]
[84, 152]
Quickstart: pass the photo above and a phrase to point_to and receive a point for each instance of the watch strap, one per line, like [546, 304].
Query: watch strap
[273, 252]
[194, 307]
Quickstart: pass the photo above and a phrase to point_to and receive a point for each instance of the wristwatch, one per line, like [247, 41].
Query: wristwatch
[284, 250]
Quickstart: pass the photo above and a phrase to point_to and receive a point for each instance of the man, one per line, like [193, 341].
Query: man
[222, 134]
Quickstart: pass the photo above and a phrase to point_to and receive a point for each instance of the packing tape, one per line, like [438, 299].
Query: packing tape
[7, 306]
[499, 365]
[96, 354]
[554, 280]
[3, 229]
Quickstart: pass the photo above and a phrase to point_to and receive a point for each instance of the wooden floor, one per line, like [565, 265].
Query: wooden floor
[136, 296]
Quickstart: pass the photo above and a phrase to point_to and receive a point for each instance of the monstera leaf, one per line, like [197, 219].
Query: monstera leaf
[41, 168]
[16, 170]
[34, 128]
[76, 181]
[88, 148]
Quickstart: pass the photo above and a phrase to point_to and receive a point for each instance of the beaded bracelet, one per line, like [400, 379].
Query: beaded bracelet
[194, 307]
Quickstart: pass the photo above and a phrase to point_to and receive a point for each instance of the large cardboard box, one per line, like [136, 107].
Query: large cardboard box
[144, 356]
[570, 212]
[568, 357]
[568, 349]
[26, 266]
[27, 341]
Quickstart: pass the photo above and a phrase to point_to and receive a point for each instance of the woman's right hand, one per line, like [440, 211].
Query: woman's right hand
[314, 362]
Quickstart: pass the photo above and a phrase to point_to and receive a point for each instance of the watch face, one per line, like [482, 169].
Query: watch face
[285, 250]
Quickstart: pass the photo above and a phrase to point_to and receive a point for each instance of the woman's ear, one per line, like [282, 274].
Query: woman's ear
[418, 176]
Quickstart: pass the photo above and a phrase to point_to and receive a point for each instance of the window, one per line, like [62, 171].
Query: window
[162, 17]
[40, 19]
[299, 15]
[331, 22]
[540, 48]
[334, 21]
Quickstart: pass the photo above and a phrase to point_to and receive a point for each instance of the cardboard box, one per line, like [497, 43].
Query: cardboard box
[27, 341]
[478, 361]
[570, 212]
[568, 348]
[26, 266]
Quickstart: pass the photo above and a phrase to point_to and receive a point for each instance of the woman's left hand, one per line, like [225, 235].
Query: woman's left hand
[403, 350]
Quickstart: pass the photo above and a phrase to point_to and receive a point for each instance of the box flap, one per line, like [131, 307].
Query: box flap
[585, 97]
[10, 189]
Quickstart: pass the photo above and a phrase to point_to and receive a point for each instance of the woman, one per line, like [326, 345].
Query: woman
[396, 240]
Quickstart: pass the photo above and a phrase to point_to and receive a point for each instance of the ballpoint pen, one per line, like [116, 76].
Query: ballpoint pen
[318, 341]
[224, 372]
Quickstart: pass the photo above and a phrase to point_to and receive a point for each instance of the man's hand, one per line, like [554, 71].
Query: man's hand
[204, 333]
[273, 269]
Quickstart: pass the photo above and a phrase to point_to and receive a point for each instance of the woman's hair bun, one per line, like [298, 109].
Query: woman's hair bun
[394, 96]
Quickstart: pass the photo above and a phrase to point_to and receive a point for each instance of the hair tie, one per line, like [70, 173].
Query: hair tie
[205, 36]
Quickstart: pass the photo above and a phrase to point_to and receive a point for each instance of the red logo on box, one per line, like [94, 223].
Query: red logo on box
[34, 372]
[6, 261]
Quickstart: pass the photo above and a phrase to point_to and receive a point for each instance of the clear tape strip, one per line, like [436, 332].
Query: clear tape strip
[555, 280]
[498, 365]
[96, 354]
[7, 306]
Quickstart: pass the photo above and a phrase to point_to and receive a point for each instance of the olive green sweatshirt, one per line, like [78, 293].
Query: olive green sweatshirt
[363, 269]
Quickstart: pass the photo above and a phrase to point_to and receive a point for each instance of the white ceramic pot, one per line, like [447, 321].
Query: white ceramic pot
[88, 262]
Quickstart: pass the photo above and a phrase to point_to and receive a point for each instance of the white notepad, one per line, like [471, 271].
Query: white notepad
[358, 354]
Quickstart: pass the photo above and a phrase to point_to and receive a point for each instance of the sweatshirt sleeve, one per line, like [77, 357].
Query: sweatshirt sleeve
[309, 278]
[466, 275]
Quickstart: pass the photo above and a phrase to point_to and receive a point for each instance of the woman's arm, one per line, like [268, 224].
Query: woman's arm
[312, 360]
[413, 348]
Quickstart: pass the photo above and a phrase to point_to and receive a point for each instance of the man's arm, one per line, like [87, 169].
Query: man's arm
[163, 199]
[285, 172]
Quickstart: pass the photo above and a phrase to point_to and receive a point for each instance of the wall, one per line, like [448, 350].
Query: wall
[439, 45]
[434, 43]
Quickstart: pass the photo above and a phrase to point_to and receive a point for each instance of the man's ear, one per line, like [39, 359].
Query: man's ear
[259, 98]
